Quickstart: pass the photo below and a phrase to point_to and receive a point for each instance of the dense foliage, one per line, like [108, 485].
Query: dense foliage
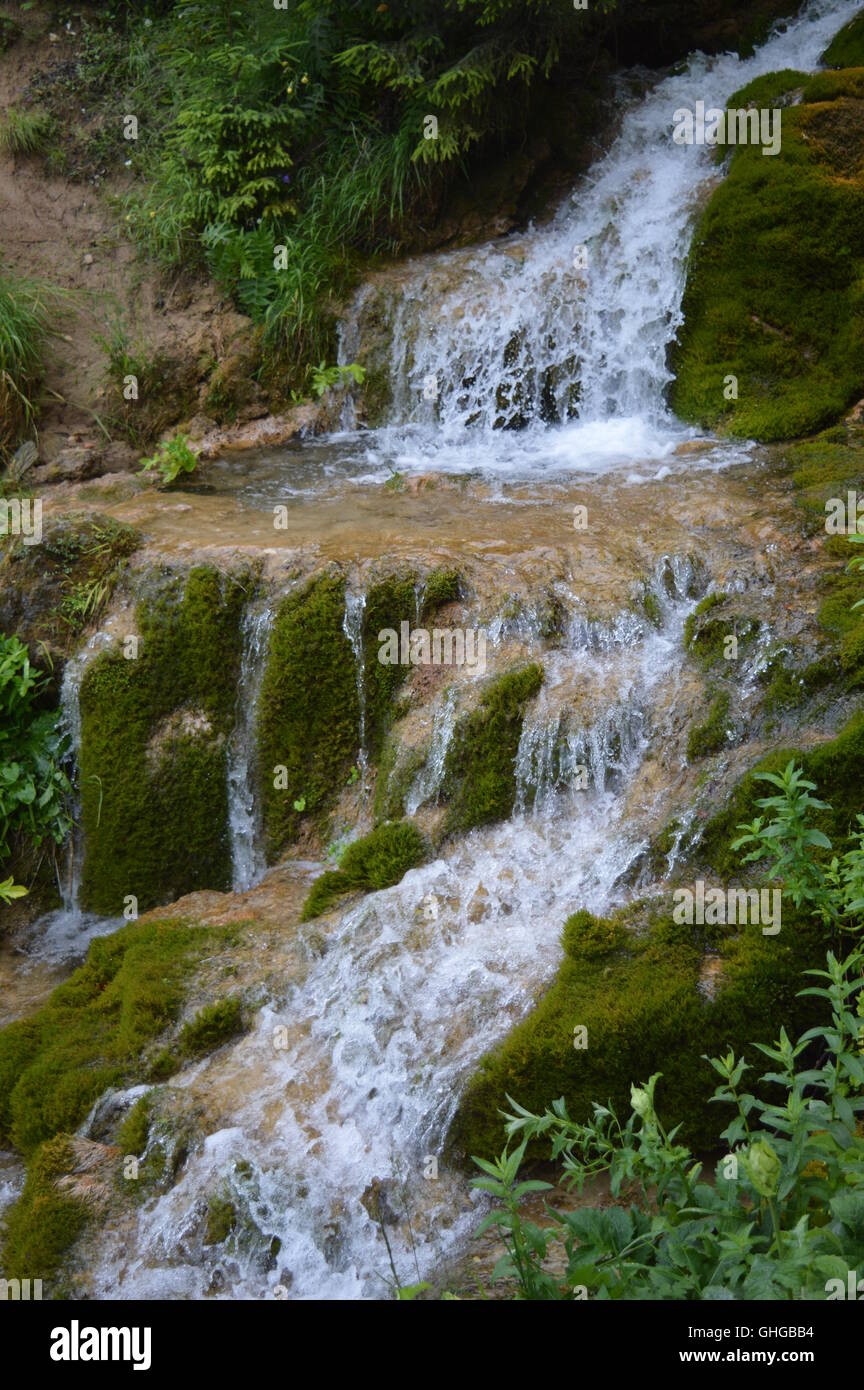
[785, 1215]
[34, 789]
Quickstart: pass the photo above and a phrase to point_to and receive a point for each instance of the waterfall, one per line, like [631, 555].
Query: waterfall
[426, 786]
[571, 323]
[419, 980]
[247, 857]
[352, 626]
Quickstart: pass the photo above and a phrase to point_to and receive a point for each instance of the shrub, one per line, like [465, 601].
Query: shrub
[34, 790]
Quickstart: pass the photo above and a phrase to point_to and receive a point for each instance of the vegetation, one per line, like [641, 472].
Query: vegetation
[25, 132]
[378, 860]
[154, 728]
[783, 1218]
[710, 737]
[27, 310]
[308, 712]
[771, 295]
[479, 771]
[172, 458]
[211, 1027]
[34, 790]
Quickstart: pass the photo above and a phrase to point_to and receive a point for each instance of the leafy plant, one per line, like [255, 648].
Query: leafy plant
[10, 890]
[785, 1214]
[324, 377]
[171, 459]
[34, 790]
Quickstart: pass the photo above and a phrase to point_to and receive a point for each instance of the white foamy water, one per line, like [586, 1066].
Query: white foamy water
[244, 821]
[492, 345]
[415, 983]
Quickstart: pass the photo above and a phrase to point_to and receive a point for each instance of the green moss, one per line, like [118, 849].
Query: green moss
[44, 1222]
[397, 768]
[651, 608]
[96, 1028]
[308, 710]
[586, 937]
[640, 1003]
[846, 49]
[773, 292]
[153, 749]
[837, 768]
[392, 601]
[135, 1130]
[710, 737]
[221, 1220]
[479, 772]
[378, 860]
[440, 587]
[211, 1027]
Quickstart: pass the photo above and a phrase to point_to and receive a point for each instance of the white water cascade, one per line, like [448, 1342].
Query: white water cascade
[247, 857]
[418, 981]
[490, 345]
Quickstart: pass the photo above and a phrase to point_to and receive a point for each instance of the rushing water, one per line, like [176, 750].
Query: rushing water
[416, 982]
[244, 820]
[516, 334]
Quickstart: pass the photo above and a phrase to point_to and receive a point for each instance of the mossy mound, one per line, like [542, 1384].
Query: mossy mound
[45, 1221]
[479, 772]
[633, 983]
[96, 1030]
[837, 768]
[154, 731]
[212, 1026]
[710, 737]
[309, 710]
[378, 860]
[846, 49]
[774, 288]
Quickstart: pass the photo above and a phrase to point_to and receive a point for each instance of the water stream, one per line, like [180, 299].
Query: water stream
[416, 982]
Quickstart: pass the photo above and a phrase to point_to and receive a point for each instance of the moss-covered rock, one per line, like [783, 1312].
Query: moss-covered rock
[45, 1221]
[309, 711]
[308, 722]
[134, 1132]
[154, 731]
[378, 860]
[635, 989]
[837, 768]
[710, 736]
[479, 772]
[773, 294]
[98, 1029]
[212, 1026]
[846, 49]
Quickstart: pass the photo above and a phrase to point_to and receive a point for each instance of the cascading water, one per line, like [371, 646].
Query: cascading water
[352, 626]
[518, 334]
[417, 981]
[247, 856]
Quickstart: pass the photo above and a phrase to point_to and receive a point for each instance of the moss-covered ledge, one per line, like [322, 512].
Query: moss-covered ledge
[480, 769]
[773, 286]
[309, 712]
[653, 996]
[154, 731]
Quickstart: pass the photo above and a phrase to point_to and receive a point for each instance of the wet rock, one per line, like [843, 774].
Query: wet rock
[78, 463]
